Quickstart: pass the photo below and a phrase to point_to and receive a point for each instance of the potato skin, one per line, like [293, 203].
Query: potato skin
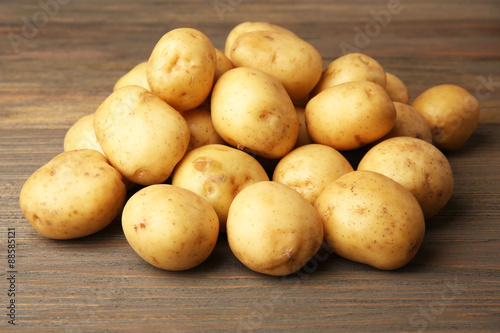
[136, 76]
[295, 62]
[181, 68]
[82, 135]
[170, 227]
[272, 229]
[201, 128]
[311, 168]
[417, 165]
[251, 110]
[348, 68]
[451, 112]
[371, 219]
[409, 122]
[396, 89]
[223, 64]
[218, 173]
[350, 115]
[74, 195]
[141, 135]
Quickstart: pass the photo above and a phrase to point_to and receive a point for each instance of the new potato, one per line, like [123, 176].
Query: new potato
[218, 173]
[409, 122]
[75, 194]
[272, 229]
[136, 76]
[142, 136]
[396, 88]
[82, 135]
[201, 128]
[371, 219]
[170, 227]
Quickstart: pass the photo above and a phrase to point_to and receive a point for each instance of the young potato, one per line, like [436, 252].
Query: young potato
[272, 229]
[348, 68]
[371, 219]
[396, 89]
[75, 194]
[218, 173]
[245, 27]
[136, 76]
[82, 135]
[417, 165]
[409, 122]
[170, 227]
[223, 64]
[303, 137]
[142, 136]
[451, 112]
[181, 68]
[350, 115]
[311, 168]
[251, 110]
[201, 128]
[295, 62]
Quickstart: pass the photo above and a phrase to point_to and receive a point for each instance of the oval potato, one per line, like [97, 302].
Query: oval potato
[396, 89]
[136, 76]
[409, 122]
[201, 128]
[82, 135]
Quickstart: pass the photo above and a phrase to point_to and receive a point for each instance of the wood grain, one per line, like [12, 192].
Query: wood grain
[66, 68]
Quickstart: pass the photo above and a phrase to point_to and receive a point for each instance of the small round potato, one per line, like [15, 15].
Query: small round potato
[82, 135]
[245, 27]
[218, 173]
[251, 110]
[417, 165]
[303, 138]
[201, 128]
[181, 68]
[223, 64]
[348, 68]
[396, 89]
[272, 229]
[74, 195]
[141, 135]
[350, 115]
[451, 112]
[170, 227]
[295, 62]
[136, 76]
[371, 219]
[409, 122]
[311, 168]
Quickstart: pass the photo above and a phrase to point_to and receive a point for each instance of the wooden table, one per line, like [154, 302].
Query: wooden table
[58, 61]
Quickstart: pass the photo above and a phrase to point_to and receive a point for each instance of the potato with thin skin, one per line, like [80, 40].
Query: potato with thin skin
[417, 165]
[272, 229]
[181, 68]
[82, 135]
[409, 122]
[396, 88]
[251, 110]
[223, 64]
[170, 227]
[142, 136]
[136, 76]
[201, 128]
[371, 219]
[311, 168]
[218, 173]
[303, 138]
[74, 195]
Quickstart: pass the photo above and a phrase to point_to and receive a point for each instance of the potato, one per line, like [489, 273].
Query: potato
[272, 229]
[350, 115]
[396, 89]
[136, 76]
[245, 27]
[82, 135]
[371, 219]
[141, 135]
[409, 122]
[218, 173]
[251, 110]
[201, 128]
[181, 68]
[418, 166]
[311, 168]
[348, 68]
[303, 137]
[295, 62]
[75, 194]
[170, 227]
[223, 64]
[451, 112]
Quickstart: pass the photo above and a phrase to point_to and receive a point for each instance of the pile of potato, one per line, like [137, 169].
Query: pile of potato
[253, 143]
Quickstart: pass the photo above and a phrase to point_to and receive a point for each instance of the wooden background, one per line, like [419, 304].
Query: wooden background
[59, 60]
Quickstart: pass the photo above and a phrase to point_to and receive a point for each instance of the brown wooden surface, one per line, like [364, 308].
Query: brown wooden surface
[68, 66]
